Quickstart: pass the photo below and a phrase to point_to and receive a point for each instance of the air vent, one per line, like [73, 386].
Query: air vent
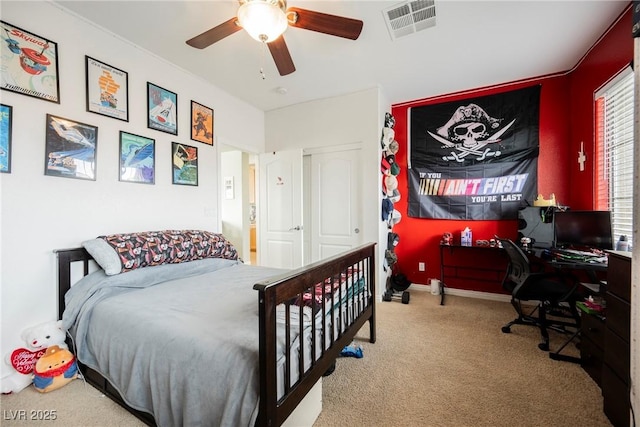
[410, 17]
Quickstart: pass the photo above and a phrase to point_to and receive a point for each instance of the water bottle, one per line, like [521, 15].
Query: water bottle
[622, 244]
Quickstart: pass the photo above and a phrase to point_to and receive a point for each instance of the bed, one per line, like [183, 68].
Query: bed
[210, 340]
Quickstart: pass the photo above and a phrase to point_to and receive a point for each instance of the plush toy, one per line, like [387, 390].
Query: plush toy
[447, 239]
[37, 338]
[54, 369]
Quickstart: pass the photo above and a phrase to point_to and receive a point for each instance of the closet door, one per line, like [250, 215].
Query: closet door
[280, 209]
[336, 200]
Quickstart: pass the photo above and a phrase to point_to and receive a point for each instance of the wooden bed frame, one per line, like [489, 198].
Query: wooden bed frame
[270, 293]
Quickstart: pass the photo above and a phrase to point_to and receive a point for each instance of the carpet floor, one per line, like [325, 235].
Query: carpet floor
[432, 365]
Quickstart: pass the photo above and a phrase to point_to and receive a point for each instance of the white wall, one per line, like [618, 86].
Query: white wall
[349, 119]
[41, 213]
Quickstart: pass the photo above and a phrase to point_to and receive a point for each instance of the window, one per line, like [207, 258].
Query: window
[614, 152]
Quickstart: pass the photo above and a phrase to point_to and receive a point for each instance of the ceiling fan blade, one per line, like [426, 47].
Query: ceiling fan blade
[333, 25]
[281, 56]
[215, 34]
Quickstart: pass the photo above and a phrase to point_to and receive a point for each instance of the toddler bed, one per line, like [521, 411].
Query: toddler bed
[197, 337]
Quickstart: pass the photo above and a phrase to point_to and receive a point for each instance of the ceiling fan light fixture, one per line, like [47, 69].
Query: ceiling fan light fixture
[264, 20]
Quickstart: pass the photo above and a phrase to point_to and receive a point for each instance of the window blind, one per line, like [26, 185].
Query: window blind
[614, 152]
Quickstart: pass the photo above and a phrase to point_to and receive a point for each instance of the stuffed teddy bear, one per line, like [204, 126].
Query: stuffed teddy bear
[37, 338]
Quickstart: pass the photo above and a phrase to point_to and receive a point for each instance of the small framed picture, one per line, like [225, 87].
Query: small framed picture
[6, 113]
[70, 148]
[107, 90]
[29, 64]
[185, 164]
[137, 158]
[162, 109]
[201, 123]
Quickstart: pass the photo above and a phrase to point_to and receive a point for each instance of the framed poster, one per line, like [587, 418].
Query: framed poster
[29, 64]
[6, 117]
[137, 158]
[70, 148]
[185, 164]
[107, 90]
[162, 109]
[201, 123]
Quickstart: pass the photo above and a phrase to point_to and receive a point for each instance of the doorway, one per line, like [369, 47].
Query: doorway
[253, 246]
[325, 220]
[238, 201]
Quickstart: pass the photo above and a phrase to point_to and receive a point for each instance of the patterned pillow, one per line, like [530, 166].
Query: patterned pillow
[119, 253]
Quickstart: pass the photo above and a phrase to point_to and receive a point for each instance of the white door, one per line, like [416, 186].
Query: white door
[280, 209]
[336, 199]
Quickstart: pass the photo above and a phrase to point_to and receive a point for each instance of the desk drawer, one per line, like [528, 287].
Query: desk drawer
[617, 355]
[619, 275]
[591, 359]
[618, 316]
[593, 328]
[615, 398]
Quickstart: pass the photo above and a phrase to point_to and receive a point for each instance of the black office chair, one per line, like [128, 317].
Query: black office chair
[556, 295]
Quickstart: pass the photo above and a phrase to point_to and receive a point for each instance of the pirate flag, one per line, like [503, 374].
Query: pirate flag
[475, 158]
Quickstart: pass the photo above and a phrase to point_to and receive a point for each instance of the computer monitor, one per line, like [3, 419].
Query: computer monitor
[583, 229]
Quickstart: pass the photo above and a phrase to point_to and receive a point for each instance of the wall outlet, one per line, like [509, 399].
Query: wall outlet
[421, 266]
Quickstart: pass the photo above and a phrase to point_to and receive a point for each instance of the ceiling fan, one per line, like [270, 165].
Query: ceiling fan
[267, 20]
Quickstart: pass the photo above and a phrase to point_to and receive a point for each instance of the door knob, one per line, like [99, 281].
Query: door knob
[296, 228]
[357, 230]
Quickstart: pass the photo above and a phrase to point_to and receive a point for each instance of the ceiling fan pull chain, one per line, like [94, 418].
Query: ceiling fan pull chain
[262, 54]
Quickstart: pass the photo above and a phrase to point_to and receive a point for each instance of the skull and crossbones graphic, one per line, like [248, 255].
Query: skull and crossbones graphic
[468, 132]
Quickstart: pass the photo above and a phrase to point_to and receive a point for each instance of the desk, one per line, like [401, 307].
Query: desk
[472, 264]
[596, 286]
[605, 340]
[590, 269]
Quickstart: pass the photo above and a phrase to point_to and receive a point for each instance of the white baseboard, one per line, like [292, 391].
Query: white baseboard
[462, 293]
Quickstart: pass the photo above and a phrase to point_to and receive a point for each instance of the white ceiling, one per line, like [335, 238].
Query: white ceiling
[474, 44]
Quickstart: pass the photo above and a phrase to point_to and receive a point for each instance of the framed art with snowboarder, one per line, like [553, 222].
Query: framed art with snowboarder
[184, 164]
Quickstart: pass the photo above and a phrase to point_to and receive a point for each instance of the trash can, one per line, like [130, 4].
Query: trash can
[435, 286]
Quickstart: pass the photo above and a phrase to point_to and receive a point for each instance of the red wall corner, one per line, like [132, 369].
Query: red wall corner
[566, 118]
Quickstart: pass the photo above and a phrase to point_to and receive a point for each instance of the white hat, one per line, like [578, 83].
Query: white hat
[391, 183]
[387, 136]
[394, 196]
[395, 217]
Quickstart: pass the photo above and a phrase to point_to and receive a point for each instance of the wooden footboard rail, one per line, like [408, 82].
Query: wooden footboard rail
[359, 264]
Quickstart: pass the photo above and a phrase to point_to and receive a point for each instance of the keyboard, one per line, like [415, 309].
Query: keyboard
[576, 256]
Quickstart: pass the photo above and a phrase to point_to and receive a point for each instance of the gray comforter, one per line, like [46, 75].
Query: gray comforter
[179, 341]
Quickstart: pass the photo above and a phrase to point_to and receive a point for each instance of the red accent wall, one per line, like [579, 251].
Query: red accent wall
[566, 118]
[608, 57]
